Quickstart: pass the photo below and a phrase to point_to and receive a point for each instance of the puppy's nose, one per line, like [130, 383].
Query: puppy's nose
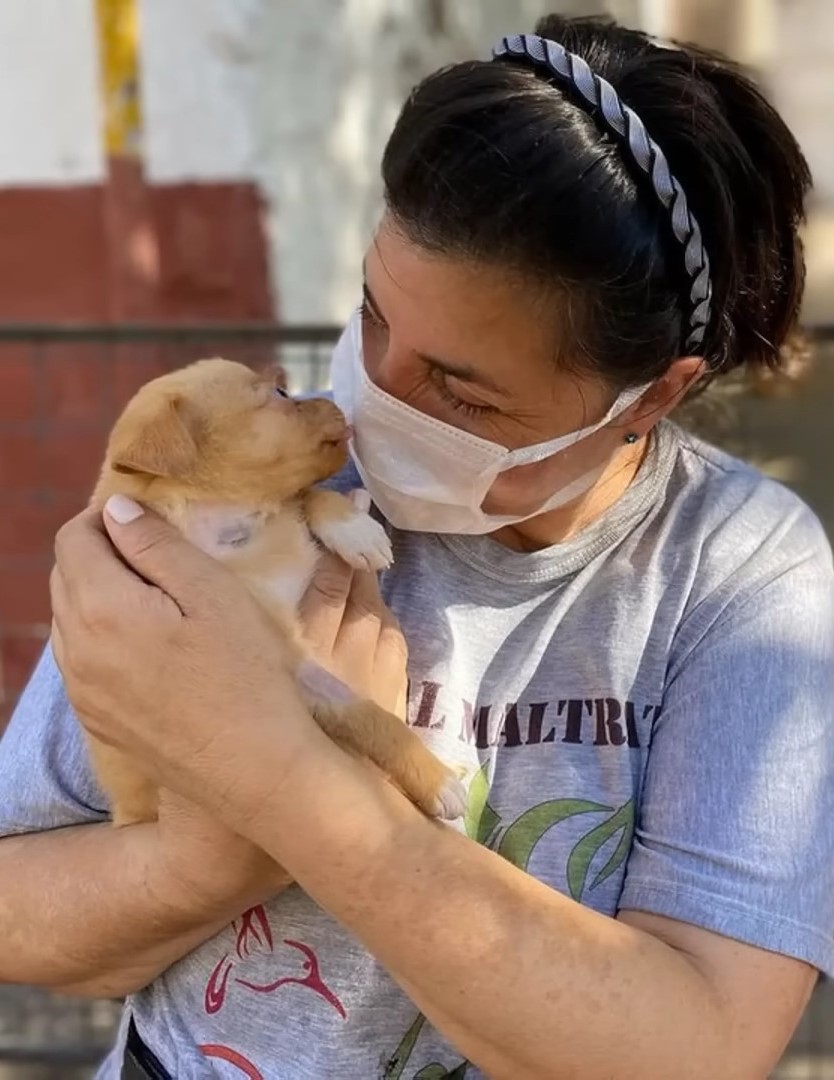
[278, 374]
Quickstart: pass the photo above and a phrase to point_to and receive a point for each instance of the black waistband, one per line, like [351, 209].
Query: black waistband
[140, 1063]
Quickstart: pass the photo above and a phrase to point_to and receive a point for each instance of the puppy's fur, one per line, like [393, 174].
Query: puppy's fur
[228, 459]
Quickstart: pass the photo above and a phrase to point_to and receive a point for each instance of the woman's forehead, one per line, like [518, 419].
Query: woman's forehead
[460, 311]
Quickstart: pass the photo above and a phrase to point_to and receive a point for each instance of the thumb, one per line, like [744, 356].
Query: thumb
[158, 552]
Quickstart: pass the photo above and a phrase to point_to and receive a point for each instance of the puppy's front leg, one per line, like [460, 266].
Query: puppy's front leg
[363, 728]
[351, 534]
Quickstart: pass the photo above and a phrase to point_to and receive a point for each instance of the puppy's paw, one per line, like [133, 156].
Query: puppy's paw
[362, 542]
[451, 800]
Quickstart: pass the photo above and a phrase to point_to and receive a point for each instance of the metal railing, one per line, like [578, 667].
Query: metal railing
[60, 388]
[303, 350]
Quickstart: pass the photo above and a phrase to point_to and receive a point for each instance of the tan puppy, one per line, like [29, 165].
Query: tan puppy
[225, 456]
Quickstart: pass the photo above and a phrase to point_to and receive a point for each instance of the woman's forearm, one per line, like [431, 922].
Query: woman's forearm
[90, 910]
[525, 982]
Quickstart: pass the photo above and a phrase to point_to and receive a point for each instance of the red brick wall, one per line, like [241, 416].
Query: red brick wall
[116, 253]
[56, 402]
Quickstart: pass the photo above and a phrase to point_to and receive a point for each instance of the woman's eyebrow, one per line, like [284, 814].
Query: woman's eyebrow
[464, 372]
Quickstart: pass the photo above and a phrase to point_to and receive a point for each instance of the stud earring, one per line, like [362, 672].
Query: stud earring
[631, 438]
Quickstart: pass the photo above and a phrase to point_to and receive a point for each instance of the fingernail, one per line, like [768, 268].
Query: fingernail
[122, 509]
[361, 500]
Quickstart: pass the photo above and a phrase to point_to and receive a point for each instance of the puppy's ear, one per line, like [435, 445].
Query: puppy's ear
[163, 444]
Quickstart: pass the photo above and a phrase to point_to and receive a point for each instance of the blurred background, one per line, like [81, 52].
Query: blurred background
[186, 177]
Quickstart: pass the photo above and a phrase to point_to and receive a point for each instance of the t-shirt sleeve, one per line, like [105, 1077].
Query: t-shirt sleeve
[736, 829]
[46, 780]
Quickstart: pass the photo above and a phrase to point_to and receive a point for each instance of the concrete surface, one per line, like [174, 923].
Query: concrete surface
[790, 437]
[811, 1056]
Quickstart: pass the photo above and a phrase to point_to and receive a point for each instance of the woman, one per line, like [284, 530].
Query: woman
[622, 636]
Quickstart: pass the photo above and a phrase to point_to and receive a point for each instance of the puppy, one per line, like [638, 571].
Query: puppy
[229, 459]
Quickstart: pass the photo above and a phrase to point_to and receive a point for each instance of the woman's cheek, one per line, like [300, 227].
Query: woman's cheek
[520, 490]
[524, 488]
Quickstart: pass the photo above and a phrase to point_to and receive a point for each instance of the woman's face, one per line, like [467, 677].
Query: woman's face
[475, 347]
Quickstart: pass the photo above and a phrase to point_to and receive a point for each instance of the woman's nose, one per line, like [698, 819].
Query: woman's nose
[392, 370]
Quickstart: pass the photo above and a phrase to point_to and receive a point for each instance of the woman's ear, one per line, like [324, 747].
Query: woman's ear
[665, 393]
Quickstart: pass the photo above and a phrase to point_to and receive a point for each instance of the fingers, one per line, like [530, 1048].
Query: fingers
[358, 635]
[86, 562]
[353, 633]
[342, 614]
[323, 606]
[364, 599]
[59, 601]
[161, 555]
[57, 645]
[391, 638]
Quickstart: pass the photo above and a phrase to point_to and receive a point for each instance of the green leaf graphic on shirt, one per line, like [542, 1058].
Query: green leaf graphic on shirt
[520, 839]
[397, 1063]
[440, 1072]
[580, 859]
[481, 820]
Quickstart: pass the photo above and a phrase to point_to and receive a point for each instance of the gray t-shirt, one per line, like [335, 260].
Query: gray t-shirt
[645, 714]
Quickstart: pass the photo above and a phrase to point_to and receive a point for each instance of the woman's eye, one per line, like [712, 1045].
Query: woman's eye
[369, 315]
[279, 391]
[467, 408]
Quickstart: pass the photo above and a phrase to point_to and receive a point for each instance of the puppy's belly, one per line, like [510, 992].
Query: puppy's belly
[282, 590]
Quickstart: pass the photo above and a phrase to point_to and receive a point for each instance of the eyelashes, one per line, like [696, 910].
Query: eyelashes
[436, 375]
[466, 408]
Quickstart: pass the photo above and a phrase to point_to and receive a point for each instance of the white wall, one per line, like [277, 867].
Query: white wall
[199, 76]
[801, 75]
[791, 45]
[301, 96]
[333, 75]
[50, 113]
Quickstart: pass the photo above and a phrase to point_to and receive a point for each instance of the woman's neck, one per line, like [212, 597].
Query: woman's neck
[559, 525]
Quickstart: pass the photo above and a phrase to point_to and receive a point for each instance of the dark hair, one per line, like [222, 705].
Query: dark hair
[492, 161]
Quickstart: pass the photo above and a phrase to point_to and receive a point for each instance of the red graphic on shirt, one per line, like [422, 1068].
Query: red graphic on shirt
[312, 979]
[254, 934]
[216, 987]
[254, 929]
[225, 1053]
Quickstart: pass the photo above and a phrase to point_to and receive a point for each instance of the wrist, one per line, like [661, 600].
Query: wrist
[197, 888]
[333, 810]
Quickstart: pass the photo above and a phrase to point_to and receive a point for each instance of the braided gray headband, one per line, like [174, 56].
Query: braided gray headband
[618, 118]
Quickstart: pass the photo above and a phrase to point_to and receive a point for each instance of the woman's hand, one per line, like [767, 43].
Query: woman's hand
[167, 656]
[354, 635]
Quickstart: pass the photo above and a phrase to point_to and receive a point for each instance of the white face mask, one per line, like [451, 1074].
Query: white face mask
[428, 476]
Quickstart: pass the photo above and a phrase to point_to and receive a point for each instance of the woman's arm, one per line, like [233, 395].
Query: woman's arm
[100, 912]
[525, 982]
[89, 908]
[84, 910]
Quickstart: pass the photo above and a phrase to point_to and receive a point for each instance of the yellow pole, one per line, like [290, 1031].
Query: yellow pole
[117, 23]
